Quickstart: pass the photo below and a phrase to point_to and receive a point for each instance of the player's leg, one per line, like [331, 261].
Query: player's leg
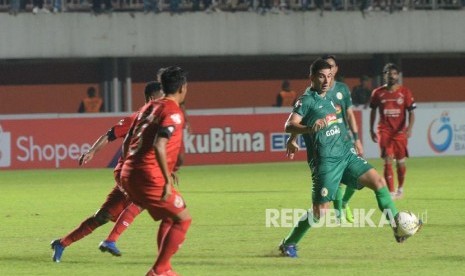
[385, 144]
[173, 209]
[325, 185]
[401, 153]
[288, 246]
[338, 200]
[349, 192]
[113, 205]
[122, 223]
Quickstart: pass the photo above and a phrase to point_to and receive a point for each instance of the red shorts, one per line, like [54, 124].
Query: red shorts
[145, 194]
[393, 145]
[115, 203]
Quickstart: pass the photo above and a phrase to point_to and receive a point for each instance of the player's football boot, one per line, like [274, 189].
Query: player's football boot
[107, 246]
[401, 239]
[166, 273]
[348, 214]
[57, 250]
[288, 250]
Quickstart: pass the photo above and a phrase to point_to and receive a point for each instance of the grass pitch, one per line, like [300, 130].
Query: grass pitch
[228, 235]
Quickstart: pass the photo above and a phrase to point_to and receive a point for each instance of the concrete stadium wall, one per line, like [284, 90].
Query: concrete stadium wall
[65, 98]
[124, 34]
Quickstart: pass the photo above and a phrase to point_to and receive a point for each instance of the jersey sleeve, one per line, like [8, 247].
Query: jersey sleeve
[121, 128]
[170, 120]
[409, 100]
[347, 97]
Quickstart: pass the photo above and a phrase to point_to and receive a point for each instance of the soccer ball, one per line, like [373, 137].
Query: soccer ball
[407, 224]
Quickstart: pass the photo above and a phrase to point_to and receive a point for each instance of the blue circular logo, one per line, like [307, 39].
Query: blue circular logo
[440, 133]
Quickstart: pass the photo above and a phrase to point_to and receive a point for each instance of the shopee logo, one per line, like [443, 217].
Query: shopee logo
[31, 151]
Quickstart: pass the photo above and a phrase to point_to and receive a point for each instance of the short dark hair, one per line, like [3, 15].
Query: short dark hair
[91, 92]
[150, 88]
[317, 65]
[390, 66]
[328, 56]
[172, 79]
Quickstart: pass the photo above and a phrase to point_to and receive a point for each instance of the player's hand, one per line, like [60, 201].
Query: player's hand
[358, 147]
[409, 133]
[291, 148]
[319, 125]
[175, 178]
[86, 157]
[374, 137]
[167, 190]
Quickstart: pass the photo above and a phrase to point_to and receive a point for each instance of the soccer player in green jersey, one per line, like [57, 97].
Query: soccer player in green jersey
[339, 93]
[330, 156]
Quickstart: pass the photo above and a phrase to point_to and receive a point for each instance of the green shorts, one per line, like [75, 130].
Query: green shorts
[329, 172]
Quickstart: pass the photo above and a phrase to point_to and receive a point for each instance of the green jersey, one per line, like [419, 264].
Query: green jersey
[330, 152]
[340, 95]
[330, 142]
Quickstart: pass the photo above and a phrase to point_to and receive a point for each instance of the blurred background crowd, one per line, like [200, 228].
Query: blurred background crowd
[209, 6]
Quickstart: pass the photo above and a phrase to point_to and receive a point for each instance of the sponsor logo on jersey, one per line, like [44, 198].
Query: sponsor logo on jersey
[331, 119]
[176, 118]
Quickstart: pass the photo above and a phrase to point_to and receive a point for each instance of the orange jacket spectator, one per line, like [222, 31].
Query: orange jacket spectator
[286, 97]
[92, 103]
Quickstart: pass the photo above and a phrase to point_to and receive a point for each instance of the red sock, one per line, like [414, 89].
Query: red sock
[388, 176]
[401, 175]
[124, 220]
[165, 226]
[84, 229]
[170, 245]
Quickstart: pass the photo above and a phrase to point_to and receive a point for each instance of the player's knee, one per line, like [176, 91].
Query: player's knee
[102, 216]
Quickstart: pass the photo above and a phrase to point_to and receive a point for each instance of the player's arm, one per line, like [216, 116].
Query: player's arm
[354, 128]
[159, 146]
[374, 137]
[293, 125]
[100, 143]
[411, 121]
[291, 146]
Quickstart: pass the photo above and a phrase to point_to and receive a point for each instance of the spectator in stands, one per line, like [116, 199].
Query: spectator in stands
[97, 6]
[38, 7]
[92, 103]
[362, 92]
[14, 7]
[287, 96]
[57, 6]
[151, 6]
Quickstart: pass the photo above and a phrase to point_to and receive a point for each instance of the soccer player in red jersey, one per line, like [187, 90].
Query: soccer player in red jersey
[117, 205]
[150, 151]
[396, 105]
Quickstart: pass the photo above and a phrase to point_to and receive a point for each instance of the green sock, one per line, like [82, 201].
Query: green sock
[347, 196]
[300, 229]
[385, 202]
[338, 201]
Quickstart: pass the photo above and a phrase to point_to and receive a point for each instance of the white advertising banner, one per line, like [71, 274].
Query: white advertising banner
[436, 132]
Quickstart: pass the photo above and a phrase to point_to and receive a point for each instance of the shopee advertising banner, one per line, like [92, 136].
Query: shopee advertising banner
[54, 143]
[215, 139]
